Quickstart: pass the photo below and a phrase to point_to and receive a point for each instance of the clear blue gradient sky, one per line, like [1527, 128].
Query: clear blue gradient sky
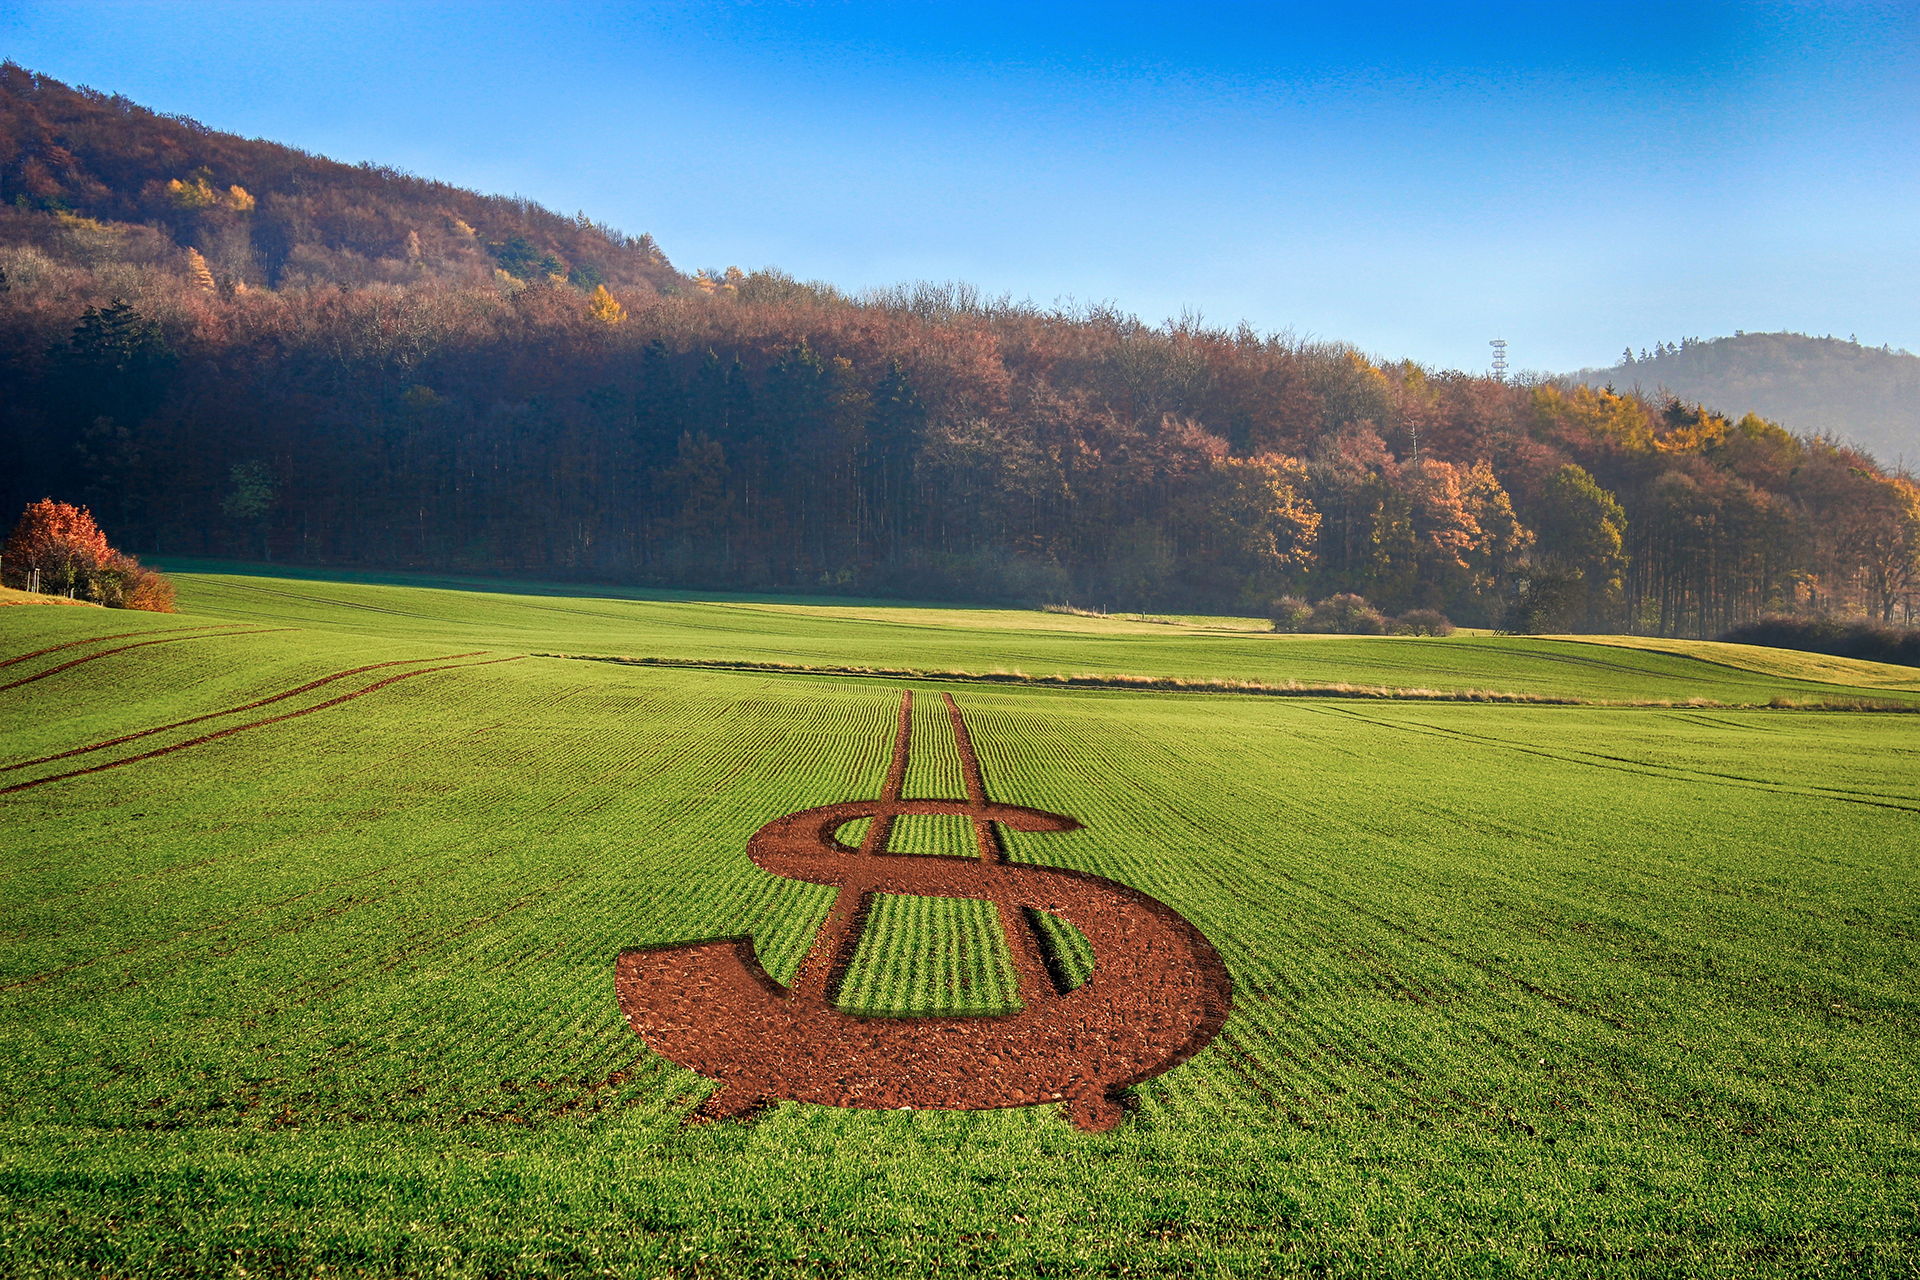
[1415, 179]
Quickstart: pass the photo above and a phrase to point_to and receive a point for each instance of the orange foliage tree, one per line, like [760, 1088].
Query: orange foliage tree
[69, 553]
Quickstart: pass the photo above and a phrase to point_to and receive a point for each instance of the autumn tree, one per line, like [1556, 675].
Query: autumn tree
[1259, 521]
[603, 307]
[59, 547]
[58, 541]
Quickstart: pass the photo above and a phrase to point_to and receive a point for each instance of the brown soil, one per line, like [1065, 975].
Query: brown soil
[232, 711]
[256, 724]
[107, 653]
[1157, 994]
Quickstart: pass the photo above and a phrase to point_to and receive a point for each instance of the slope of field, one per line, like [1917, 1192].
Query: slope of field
[1518, 989]
[983, 640]
[1789, 664]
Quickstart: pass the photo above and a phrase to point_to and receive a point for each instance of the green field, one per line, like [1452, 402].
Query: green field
[1517, 989]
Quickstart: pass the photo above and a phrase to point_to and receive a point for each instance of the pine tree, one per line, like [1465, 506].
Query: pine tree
[115, 365]
[659, 409]
[894, 432]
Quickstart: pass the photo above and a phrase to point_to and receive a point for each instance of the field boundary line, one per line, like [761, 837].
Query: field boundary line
[1250, 688]
[108, 653]
[124, 635]
[257, 724]
[215, 715]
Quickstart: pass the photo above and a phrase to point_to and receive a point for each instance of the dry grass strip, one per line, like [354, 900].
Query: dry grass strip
[1256, 688]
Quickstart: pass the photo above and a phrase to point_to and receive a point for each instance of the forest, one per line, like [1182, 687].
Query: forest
[229, 347]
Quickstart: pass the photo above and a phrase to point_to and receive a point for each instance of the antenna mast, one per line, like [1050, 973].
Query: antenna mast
[1499, 346]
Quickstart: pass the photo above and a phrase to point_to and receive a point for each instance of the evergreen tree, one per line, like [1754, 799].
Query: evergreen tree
[895, 429]
[659, 408]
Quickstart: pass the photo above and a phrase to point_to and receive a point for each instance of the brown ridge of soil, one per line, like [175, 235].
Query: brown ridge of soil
[107, 653]
[124, 635]
[256, 724]
[231, 711]
[1158, 992]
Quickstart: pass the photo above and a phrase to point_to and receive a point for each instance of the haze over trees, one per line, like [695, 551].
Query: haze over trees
[229, 347]
[1867, 395]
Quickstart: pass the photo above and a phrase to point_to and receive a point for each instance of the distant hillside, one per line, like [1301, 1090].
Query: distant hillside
[145, 185]
[1867, 395]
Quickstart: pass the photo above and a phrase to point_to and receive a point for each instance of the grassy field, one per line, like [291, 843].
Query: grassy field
[1518, 989]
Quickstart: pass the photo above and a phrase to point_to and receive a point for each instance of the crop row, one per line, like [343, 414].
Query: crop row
[933, 834]
[919, 955]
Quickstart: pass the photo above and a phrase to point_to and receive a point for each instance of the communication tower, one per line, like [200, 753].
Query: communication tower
[1499, 346]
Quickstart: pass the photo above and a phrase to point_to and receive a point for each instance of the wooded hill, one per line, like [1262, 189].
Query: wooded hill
[227, 347]
[1869, 396]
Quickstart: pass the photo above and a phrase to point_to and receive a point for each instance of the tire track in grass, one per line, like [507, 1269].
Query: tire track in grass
[694, 802]
[231, 711]
[1641, 768]
[124, 635]
[735, 901]
[257, 724]
[107, 653]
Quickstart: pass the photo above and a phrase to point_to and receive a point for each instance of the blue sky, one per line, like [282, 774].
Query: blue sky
[1415, 179]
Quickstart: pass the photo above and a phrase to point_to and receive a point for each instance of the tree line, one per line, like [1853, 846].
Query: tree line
[922, 443]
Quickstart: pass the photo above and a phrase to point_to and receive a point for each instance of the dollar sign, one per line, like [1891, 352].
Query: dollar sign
[1157, 994]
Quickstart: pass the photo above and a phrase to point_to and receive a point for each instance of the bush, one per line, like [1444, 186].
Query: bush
[1289, 613]
[1348, 615]
[124, 583]
[1423, 622]
[1840, 637]
[1549, 604]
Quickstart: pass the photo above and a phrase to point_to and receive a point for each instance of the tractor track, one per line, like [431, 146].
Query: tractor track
[107, 653]
[256, 724]
[231, 711]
